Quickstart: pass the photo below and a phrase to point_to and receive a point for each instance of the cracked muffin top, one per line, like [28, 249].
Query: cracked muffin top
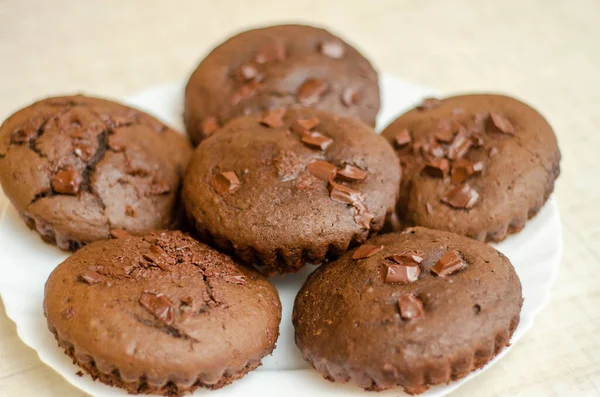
[279, 66]
[161, 313]
[77, 168]
[290, 186]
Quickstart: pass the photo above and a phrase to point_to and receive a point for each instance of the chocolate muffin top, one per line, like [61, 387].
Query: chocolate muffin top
[77, 167]
[478, 165]
[279, 66]
[409, 309]
[285, 187]
[161, 314]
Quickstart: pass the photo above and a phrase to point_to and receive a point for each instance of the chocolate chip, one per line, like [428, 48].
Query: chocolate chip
[462, 197]
[67, 181]
[120, 234]
[444, 132]
[332, 49]
[478, 166]
[410, 307]
[310, 92]
[343, 194]
[429, 103]
[300, 126]
[437, 167]
[90, 276]
[246, 91]
[159, 306]
[461, 170]
[477, 139]
[247, 72]
[316, 139]
[225, 182]
[459, 147]
[158, 257]
[450, 263]
[403, 138]
[402, 273]
[322, 169]
[271, 53]
[273, 117]
[352, 173]
[366, 250]
[84, 150]
[350, 97]
[411, 257]
[239, 279]
[210, 125]
[502, 123]
[67, 313]
[363, 217]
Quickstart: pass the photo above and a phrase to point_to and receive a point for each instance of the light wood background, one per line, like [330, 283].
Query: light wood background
[544, 51]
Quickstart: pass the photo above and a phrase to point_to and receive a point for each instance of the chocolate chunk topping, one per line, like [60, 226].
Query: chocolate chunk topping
[271, 53]
[344, 194]
[210, 125]
[225, 182]
[410, 307]
[159, 306]
[310, 92]
[90, 276]
[300, 126]
[450, 263]
[322, 169]
[246, 91]
[502, 123]
[366, 250]
[363, 217]
[273, 117]
[459, 147]
[332, 49]
[437, 167]
[461, 170]
[67, 181]
[403, 138]
[444, 131]
[84, 150]
[120, 233]
[429, 103]
[129, 210]
[247, 72]
[411, 257]
[316, 139]
[352, 173]
[403, 274]
[158, 257]
[462, 197]
[350, 96]
[67, 313]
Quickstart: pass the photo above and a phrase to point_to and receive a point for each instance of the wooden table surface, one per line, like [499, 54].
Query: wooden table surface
[546, 52]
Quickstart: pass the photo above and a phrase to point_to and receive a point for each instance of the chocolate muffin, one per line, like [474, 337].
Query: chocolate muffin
[411, 309]
[279, 66]
[161, 314]
[286, 187]
[477, 165]
[77, 168]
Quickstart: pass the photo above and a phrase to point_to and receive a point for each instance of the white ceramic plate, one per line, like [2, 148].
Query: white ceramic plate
[26, 262]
